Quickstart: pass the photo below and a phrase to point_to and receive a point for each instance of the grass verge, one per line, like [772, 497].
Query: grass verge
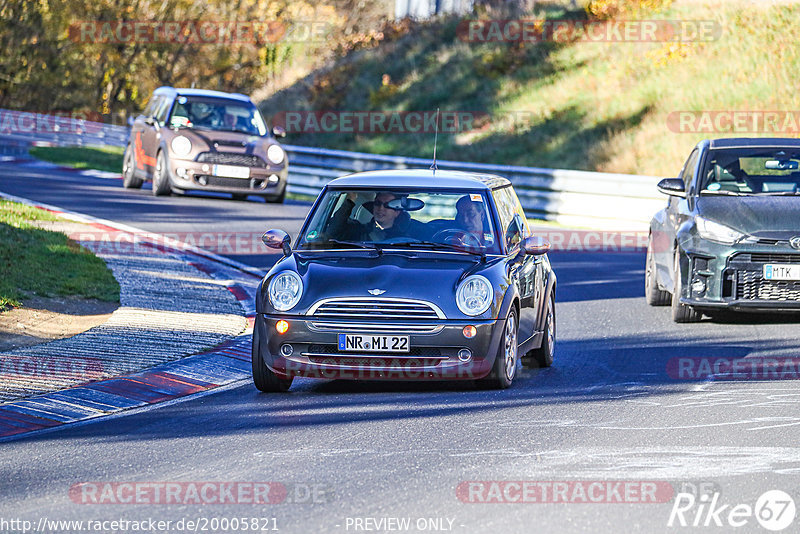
[107, 158]
[46, 263]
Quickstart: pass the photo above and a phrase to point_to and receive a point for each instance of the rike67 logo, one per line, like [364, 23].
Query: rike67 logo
[774, 510]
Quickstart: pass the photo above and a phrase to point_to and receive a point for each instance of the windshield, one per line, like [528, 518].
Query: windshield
[752, 171]
[217, 114]
[408, 219]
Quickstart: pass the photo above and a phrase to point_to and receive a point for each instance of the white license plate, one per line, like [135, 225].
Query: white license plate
[776, 271]
[231, 171]
[373, 343]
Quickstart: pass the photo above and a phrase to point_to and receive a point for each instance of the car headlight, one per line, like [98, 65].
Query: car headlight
[474, 295]
[714, 231]
[181, 145]
[275, 154]
[285, 290]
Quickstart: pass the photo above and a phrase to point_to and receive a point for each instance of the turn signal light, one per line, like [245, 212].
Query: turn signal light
[282, 326]
[469, 331]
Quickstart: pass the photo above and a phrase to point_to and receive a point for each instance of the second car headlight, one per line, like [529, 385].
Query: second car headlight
[714, 231]
[474, 295]
[275, 154]
[181, 145]
[285, 290]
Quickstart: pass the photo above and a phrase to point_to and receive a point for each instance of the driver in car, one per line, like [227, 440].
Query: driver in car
[470, 217]
[386, 222]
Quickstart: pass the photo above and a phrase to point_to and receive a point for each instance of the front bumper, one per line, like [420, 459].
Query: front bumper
[733, 279]
[264, 181]
[433, 356]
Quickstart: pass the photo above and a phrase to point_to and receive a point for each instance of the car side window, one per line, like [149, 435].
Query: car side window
[151, 106]
[512, 216]
[688, 169]
[162, 110]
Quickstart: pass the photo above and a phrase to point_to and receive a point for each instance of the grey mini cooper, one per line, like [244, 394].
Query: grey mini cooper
[407, 275]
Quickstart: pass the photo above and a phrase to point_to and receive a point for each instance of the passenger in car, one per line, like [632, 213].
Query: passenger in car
[386, 222]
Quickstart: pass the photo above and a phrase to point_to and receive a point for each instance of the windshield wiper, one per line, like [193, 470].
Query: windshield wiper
[780, 193]
[726, 193]
[432, 245]
[354, 244]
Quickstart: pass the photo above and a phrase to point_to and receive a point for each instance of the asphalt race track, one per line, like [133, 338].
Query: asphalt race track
[610, 409]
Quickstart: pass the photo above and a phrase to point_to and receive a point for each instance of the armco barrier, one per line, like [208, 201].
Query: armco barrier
[591, 199]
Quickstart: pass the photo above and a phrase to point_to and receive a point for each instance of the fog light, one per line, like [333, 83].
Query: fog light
[469, 331]
[698, 286]
[464, 355]
[287, 349]
[273, 179]
[282, 326]
[181, 172]
[202, 180]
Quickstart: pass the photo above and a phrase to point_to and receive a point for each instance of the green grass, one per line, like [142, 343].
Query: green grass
[593, 106]
[44, 263]
[108, 158]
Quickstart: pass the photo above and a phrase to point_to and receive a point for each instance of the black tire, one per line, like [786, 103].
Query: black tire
[681, 313]
[653, 295]
[505, 363]
[543, 356]
[277, 199]
[264, 379]
[129, 178]
[161, 182]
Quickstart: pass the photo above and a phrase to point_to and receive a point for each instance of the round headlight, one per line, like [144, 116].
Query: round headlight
[285, 290]
[275, 154]
[181, 145]
[474, 295]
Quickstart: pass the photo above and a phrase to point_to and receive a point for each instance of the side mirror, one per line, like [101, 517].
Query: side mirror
[672, 186]
[535, 245]
[150, 121]
[277, 239]
[278, 131]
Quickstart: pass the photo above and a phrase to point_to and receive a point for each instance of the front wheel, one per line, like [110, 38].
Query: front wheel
[681, 313]
[161, 182]
[264, 379]
[505, 363]
[129, 178]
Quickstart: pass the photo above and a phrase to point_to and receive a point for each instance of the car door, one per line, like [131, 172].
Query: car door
[675, 214]
[147, 144]
[526, 273]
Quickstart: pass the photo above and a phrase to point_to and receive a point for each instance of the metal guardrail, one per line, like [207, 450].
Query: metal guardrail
[592, 199]
[572, 197]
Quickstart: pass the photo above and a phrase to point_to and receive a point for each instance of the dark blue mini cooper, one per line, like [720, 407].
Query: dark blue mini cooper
[407, 275]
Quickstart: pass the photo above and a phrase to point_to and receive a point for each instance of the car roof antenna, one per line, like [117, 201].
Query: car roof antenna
[435, 139]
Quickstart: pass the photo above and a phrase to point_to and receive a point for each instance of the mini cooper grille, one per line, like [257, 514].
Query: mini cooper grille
[414, 352]
[233, 183]
[231, 158]
[371, 309]
[387, 361]
[750, 285]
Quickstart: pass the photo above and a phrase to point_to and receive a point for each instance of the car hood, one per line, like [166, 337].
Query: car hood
[226, 141]
[424, 276]
[761, 216]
